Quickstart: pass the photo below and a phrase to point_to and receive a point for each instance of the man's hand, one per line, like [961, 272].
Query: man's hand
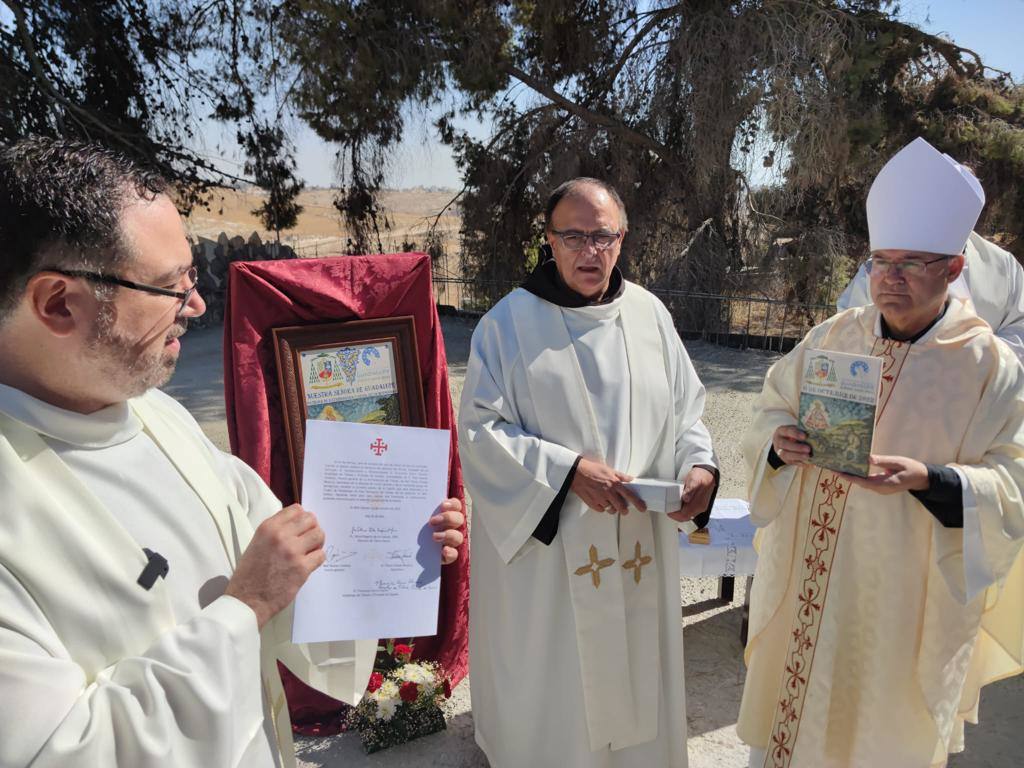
[602, 489]
[898, 474]
[285, 549]
[789, 445]
[697, 489]
[446, 522]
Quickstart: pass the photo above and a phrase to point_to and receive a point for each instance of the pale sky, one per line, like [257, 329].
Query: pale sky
[992, 28]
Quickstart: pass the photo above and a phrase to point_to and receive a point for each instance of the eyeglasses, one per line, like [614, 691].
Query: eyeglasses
[577, 241]
[912, 267]
[185, 296]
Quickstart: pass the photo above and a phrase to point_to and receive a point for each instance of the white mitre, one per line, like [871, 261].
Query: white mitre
[923, 200]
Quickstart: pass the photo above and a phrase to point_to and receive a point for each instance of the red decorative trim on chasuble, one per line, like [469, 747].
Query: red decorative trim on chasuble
[894, 355]
[819, 551]
[820, 544]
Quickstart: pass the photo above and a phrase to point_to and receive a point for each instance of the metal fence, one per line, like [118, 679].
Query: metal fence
[324, 246]
[737, 321]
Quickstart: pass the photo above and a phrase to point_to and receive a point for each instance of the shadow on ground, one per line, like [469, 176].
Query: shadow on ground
[714, 672]
[996, 741]
[452, 748]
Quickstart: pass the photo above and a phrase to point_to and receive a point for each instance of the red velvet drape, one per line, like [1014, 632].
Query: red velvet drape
[268, 294]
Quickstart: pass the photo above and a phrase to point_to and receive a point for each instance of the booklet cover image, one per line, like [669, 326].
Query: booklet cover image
[838, 398]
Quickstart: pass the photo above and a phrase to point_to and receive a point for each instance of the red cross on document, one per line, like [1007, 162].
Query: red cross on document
[378, 447]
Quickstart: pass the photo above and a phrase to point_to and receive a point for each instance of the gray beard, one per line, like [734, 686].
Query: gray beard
[132, 372]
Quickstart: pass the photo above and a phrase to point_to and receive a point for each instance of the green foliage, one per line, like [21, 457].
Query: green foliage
[392, 410]
[127, 73]
[273, 168]
[670, 101]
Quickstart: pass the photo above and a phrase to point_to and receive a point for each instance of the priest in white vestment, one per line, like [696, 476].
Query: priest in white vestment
[578, 382]
[146, 577]
[882, 605]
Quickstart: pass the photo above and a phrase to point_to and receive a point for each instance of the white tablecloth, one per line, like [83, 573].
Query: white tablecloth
[731, 551]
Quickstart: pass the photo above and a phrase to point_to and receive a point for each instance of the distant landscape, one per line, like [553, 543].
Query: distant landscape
[320, 229]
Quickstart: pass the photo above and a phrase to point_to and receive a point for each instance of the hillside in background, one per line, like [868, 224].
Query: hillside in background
[411, 212]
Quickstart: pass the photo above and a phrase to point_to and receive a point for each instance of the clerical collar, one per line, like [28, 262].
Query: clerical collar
[545, 283]
[887, 332]
[108, 426]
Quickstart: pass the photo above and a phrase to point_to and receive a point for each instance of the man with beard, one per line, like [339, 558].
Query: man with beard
[145, 576]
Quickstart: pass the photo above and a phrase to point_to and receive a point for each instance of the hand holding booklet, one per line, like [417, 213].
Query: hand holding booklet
[838, 399]
[373, 489]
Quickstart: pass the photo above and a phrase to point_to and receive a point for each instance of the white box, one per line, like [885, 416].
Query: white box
[661, 496]
[658, 495]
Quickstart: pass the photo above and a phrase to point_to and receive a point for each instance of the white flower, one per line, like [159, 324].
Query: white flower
[386, 709]
[388, 691]
[416, 673]
[386, 700]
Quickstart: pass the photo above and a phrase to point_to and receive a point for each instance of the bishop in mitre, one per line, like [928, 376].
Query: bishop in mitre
[882, 605]
[578, 382]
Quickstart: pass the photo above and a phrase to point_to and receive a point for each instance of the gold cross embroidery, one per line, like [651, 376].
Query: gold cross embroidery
[594, 567]
[637, 563]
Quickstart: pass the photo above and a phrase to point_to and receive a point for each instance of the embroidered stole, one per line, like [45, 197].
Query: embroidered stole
[610, 559]
[819, 551]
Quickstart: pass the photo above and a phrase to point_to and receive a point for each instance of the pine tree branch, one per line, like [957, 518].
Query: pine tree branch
[590, 116]
[21, 25]
[654, 19]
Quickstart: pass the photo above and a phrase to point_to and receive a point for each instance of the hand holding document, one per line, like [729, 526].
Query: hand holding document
[373, 489]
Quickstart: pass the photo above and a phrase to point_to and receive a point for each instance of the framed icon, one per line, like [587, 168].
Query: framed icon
[365, 371]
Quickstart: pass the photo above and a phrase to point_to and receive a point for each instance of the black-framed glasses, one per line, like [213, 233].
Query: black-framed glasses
[577, 241]
[185, 296]
[912, 267]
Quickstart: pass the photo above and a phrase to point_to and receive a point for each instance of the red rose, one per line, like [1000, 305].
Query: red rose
[403, 650]
[447, 687]
[409, 692]
[376, 680]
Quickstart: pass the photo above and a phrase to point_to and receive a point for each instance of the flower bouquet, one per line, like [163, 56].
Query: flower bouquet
[402, 702]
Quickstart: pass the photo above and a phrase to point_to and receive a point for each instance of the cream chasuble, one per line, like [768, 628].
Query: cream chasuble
[81, 615]
[872, 626]
[576, 648]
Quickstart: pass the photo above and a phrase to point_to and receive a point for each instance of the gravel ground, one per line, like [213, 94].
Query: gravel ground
[714, 665]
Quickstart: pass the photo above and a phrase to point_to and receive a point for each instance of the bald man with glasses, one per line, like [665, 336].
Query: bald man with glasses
[577, 383]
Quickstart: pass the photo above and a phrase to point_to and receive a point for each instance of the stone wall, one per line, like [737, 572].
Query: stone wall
[212, 257]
